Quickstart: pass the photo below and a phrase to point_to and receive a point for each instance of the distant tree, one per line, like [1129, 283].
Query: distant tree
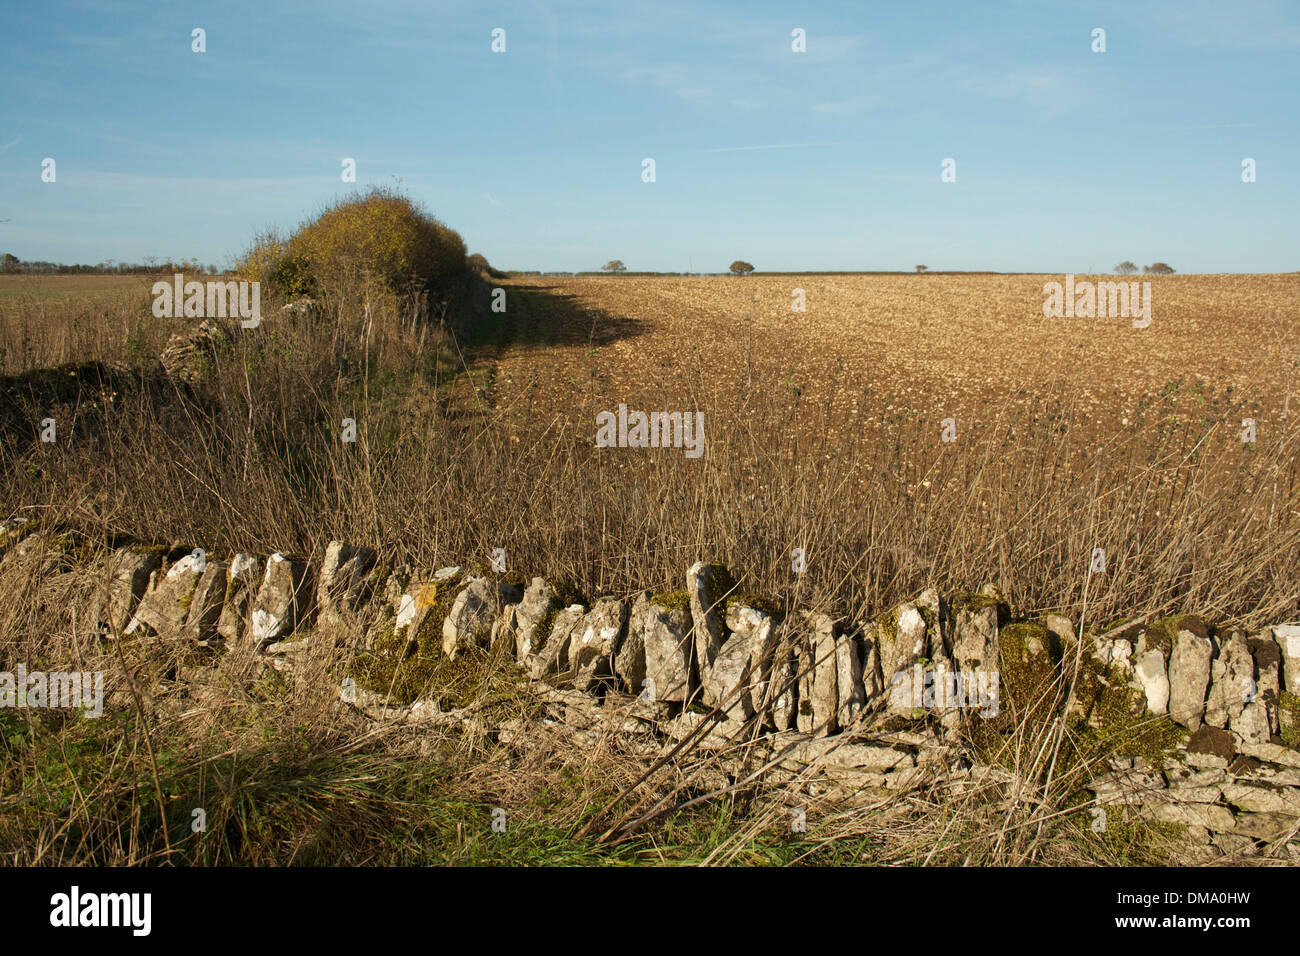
[741, 268]
[1126, 268]
[921, 268]
[1158, 269]
[11, 263]
[614, 265]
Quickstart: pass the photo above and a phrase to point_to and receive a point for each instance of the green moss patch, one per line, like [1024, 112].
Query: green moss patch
[718, 581]
[1160, 634]
[1028, 663]
[1288, 705]
[972, 601]
[672, 600]
[765, 605]
[565, 594]
[405, 665]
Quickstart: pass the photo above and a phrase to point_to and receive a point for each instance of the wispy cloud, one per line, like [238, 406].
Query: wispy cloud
[13, 142]
[497, 202]
[844, 106]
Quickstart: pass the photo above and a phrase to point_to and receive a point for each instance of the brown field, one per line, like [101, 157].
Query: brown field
[37, 286]
[886, 349]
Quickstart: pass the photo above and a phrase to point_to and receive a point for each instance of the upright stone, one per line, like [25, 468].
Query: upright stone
[666, 635]
[629, 660]
[899, 637]
[708, 586]
[538, 602]
[1268, 677]
[850, 695]
[166, 604]
[818, 677]
[281, 604]
[938, 625]
[344, 582]
[596, 642]
[1189, 677]
[1287, 637]
[207, 602]
[241, 587]
[551, 656]
[975, 635]
[873, 685]
[473, 612]
[727, 683]
[1151, 676]
[128, 571]
[1232, 682]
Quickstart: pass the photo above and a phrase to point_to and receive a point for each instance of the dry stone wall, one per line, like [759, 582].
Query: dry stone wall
[877, 704]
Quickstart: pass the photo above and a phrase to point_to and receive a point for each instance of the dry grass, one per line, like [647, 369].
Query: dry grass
[823, 434]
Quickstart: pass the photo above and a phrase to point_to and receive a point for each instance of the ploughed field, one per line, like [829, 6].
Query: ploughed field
[881, 350]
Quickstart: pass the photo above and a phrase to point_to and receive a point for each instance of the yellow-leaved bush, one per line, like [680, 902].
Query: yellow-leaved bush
[377, 240]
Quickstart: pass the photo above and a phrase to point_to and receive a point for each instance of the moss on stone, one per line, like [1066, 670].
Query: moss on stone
[377, 579]
[888, 625]
[404, 664]
[1153, 737]
[1116, 722]
[757, 602]
[718, 581]
[411, 668]
[672, 600]
[972, 601]
[1288, 705]
[514, 577]
[564, 594]
[1027, 674]
[148, 550]
[1160, 634]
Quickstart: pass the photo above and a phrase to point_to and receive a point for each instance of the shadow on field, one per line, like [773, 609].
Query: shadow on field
[538, 316]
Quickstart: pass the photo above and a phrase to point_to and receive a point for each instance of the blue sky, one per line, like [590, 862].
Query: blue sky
[1067, 160]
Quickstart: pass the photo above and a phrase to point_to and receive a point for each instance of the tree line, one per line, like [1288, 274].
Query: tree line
[12, 265]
